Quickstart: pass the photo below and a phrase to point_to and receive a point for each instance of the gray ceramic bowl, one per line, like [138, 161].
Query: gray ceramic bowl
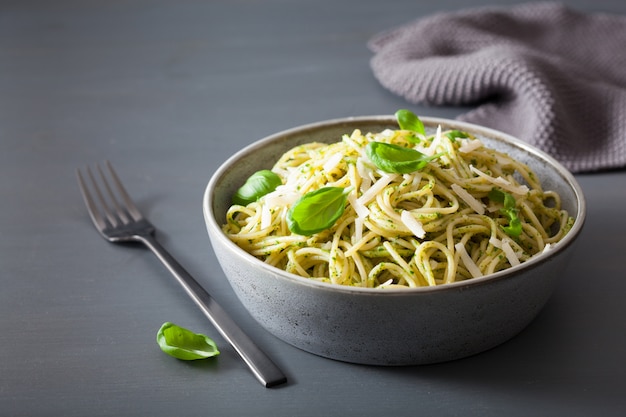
[390, 327]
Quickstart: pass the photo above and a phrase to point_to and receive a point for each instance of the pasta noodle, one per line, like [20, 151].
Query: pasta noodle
[434, 226]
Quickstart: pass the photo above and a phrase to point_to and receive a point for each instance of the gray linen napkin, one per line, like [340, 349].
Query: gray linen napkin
[551, 76]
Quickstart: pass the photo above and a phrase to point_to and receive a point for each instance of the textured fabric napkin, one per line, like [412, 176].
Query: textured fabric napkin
[549, 75]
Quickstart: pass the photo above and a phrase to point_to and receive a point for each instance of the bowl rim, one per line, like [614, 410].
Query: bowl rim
[579, 218]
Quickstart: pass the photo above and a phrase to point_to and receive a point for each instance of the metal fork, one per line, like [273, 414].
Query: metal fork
[118, 220]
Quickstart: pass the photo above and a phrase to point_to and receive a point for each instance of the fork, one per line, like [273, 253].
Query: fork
[119, 220]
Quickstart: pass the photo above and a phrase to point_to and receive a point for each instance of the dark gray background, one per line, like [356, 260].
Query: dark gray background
[167, 90]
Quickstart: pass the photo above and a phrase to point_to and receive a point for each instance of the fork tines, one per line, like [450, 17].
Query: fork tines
[118, 210]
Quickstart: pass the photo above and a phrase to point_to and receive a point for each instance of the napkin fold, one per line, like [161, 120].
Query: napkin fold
[551, 76]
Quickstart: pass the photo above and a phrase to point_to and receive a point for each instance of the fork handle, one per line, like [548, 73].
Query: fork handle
[259, 363]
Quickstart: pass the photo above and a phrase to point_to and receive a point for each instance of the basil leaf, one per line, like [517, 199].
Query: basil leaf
[453, 135]
[514, 229]
[396, 159]
[317, 210]
[185, 344]
[255, 187]
[407, 120]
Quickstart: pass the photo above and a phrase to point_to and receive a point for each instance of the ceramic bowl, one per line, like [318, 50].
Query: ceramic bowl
[388, 327]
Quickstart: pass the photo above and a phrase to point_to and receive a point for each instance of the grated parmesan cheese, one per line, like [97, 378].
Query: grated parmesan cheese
[509, 252]
[364, 174]
[282, 196]
[468, 146]
[412, 224]
[502, 182]
[358, 230]
[361, 210]
[495, 242]
[474, 204]
[266, 217]
[377, 187]
[430, 151]
[468, 261]
[504, 244]
[333, 161]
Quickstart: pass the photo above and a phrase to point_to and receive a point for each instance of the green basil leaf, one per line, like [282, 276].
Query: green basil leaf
[260, 183]
[185, 344]
[317, 210]
[514, 229]
[407, 120]
[496, 195]
[396, 159]
[453, 135]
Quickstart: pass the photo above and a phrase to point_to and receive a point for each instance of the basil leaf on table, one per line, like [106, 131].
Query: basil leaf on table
[317, 210]
[514, 229]
[260, 183]
[184, 344]
[396, 159]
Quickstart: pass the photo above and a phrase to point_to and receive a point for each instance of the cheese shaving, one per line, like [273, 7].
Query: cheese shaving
[333, 161]
[411, 223]
[361, 210]
[377, 187]
[266, 217]
[468, 146]
[467, 261]
[501, 182]
[509, 253]
[474, 204]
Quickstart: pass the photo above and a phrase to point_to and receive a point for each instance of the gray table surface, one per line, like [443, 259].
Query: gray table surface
[167, 90]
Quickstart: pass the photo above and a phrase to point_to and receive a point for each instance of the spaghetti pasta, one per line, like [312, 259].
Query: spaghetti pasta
[468, 211]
